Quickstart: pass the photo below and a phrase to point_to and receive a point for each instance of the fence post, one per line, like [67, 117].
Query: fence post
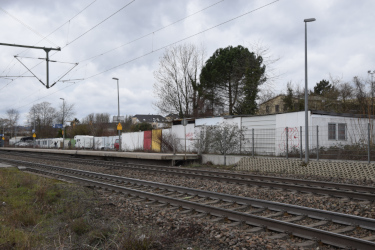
[300, 143]
[317, 142]
[286, 134]
[368, 142]
[253, 140]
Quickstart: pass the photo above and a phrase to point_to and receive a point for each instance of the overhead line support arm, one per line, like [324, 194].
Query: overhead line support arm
[47, 50]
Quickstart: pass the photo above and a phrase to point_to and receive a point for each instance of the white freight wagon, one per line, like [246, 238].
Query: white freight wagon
[84, 141]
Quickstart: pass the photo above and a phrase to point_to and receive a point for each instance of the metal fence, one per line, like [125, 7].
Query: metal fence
[335, 141]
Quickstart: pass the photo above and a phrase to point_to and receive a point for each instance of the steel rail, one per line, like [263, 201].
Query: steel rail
[340, 218]
[341, 190]
[341, 186]
[305, 232]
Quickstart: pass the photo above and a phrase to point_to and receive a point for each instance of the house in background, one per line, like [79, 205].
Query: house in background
[276, 105]
[273, 106]
[157, 121]
[171, 117]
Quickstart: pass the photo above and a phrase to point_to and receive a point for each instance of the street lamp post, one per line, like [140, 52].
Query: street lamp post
[306, 96]
[63, 121]
[3, 134]
[372, 91]
[34, 129]
[118, 112]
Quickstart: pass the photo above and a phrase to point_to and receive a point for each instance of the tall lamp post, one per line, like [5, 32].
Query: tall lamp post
[306, 96]
[372, 90]
[63, 121]
[118, 112]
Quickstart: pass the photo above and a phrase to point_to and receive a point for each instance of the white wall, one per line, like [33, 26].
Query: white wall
[356, 130]
[179, 131]
[293, 121]
[132, 141]
[84, 141]
[13, 140]
[208, 121]
[264, 134]
[217, 120]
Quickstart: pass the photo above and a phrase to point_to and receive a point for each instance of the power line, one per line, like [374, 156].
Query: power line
[42, 40]
[146, 35]
[139, 38]
[82, 34]
[75, 39]
[27, 26]
[161, 48]
[62, 25]
[183, 39]
[151, 33]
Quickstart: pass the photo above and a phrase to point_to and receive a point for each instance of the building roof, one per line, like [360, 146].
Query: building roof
[319, 112]
[173, 116]
[150, 118]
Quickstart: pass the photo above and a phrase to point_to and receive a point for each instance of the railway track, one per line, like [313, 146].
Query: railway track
[307, 186]
[284, 219]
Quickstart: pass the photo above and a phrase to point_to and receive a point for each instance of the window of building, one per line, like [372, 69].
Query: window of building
[331, 131]
[267, 109]
[285, 108]
[341, 129]
[277, 108]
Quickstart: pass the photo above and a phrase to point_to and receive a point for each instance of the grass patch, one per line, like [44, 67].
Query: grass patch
[42, 213]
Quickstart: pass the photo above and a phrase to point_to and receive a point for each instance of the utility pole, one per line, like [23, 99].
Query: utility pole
[47, 50]
[372, 97]
[34, 129]
[306, 96]
[372, 90]
[15, 136]
[3, 134]
[63, 122]
[118, 114]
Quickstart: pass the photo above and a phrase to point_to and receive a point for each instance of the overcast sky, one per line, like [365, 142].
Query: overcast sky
[125, 39]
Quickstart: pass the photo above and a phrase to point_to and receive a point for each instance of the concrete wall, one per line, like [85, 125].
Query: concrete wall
[219, 159]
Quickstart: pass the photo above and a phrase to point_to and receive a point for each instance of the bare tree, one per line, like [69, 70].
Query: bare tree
[102, 118]
[267, 89]
[90, 118]
[361, 95]
[177, 88]
[97, 124]
[266, 94]
[65, 113]
[43, 114]
[223, 138]
[13, 116]
[346, 93]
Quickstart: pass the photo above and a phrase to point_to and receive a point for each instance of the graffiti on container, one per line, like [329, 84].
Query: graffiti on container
[293, 139]
[189, 135]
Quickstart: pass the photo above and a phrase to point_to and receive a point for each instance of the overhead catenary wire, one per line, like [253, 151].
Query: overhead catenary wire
[183, 39]
[62, 25]
[44, 39]
[27, 26]
[146, 35]
[134, 40]
[75, 39]
[146, 54]
[151, 33]
[82, 34]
